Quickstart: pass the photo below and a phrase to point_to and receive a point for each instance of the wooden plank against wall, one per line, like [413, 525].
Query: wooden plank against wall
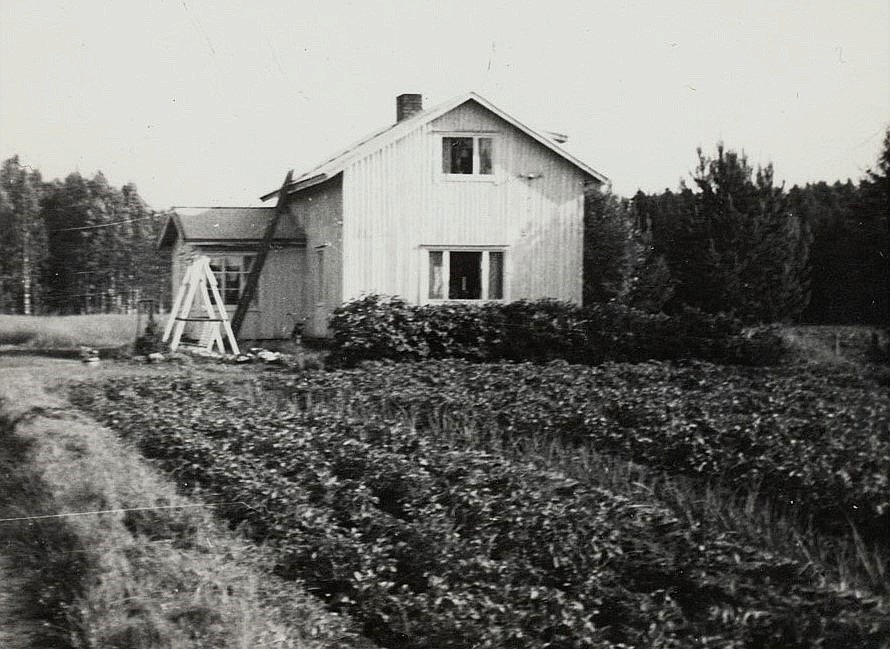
[259, 261]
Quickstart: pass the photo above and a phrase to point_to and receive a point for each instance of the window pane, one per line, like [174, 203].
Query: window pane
[233, 287]
[217, 268]
[436, 284]
[457, 155]
[465, 280]
[495, 275]
[484, 155]
[230, 272]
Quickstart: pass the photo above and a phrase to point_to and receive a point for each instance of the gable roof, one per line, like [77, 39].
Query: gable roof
[225, 225]
[385, 136]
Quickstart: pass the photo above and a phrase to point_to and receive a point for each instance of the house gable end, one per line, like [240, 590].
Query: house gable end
[514, 152]
[392, 134]
[171, 231]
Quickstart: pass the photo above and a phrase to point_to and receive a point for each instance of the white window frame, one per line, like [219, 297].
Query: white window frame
[321, 288]
[446, 273]
[475, 176]
[221, 284]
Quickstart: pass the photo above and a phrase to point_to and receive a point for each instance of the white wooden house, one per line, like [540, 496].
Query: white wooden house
[457, 202]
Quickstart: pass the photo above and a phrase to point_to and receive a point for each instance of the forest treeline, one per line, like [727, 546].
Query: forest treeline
[77, 245]
[733, 241]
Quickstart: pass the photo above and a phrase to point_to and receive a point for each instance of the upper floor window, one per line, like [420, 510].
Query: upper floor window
[467, 155]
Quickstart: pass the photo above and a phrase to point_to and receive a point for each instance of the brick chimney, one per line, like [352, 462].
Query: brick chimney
[408, 105]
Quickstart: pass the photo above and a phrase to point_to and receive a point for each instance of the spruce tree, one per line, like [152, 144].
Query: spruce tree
[872, 262]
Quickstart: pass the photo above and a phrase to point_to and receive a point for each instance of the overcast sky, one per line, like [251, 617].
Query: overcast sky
[203, 102]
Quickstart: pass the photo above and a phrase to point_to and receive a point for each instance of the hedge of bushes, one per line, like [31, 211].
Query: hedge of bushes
[376, 327]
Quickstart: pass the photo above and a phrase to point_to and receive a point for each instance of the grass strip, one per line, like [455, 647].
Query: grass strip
[136, 565]
[41, 559]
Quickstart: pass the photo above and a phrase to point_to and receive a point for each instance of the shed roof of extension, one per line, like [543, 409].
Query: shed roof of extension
[379, 139]
[226, 225]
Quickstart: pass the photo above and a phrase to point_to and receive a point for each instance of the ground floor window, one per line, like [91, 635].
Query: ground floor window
[457, 274]
[231, 273]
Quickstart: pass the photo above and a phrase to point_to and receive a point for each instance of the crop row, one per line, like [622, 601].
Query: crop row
[432, 546]
[815, 443]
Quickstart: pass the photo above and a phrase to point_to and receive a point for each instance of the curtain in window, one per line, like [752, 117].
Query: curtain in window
[485, 155]
[436, 280]
[495, 275]
[457, 155]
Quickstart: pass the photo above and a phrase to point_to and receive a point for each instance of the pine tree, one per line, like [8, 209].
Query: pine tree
[733, 244]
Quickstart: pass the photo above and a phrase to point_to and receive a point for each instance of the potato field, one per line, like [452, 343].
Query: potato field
[450, 504]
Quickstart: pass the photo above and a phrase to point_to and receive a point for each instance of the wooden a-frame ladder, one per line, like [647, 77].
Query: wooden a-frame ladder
[199, 279]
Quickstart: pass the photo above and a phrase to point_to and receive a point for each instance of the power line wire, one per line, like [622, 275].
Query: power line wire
[121, 511]
[104, 225]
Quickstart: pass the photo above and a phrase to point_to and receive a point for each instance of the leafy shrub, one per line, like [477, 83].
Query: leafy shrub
[374, 327]
[458, 331]
[540, 331]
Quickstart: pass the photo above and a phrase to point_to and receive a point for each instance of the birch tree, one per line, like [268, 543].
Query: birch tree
[23, 242]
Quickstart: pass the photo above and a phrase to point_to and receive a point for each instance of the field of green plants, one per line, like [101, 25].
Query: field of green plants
[425, 499]
[818, 440]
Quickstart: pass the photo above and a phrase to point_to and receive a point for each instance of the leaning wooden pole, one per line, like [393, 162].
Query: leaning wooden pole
[253, 278]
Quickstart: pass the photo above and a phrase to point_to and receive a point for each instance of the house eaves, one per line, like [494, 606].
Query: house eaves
[393, 133]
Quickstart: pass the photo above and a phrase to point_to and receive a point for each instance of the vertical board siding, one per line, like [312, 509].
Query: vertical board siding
[280, 294]
[396, 200]
[318, 212]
